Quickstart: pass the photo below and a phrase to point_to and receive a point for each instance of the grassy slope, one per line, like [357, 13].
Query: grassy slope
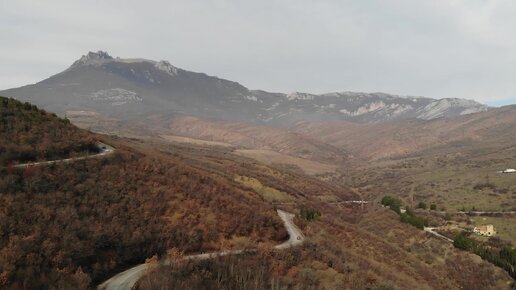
[448, 176]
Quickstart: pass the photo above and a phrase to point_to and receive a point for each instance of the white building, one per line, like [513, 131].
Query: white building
[485, 230]
[509, 170]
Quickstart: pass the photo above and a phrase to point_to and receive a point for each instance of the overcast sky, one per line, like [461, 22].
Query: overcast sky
[434, 48]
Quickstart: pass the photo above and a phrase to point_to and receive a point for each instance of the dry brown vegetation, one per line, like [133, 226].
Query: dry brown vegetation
[68, 225]
[257, 137]
[71, 225]
[29, 134]
[495, 128]
[272, 157]
[374, 251]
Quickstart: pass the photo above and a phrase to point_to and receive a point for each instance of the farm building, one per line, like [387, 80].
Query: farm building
[485, 230]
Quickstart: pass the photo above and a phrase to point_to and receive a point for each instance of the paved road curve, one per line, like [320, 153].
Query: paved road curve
[127, 279]
[104, 150]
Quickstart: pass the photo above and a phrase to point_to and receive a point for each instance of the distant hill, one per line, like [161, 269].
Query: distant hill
[131, 89]
[495, 128]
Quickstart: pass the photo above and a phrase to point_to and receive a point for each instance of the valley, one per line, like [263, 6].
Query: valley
[160, 165]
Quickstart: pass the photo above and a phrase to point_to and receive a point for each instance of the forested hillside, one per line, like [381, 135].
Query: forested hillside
[30, 134]
[376, 252]
[70, 225]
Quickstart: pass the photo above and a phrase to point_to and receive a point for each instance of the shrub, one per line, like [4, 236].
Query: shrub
[463, 242]
[392, 202]
[410, 218]
[309, 214]
[481, 186]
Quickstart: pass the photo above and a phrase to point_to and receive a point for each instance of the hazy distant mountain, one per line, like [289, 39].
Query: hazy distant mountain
[133, 88]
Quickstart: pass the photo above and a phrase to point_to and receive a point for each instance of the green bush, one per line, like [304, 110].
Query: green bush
[463, 242]
[392, 202]
[309, 214]
[421, 205]
[409, 218]
[504, 258]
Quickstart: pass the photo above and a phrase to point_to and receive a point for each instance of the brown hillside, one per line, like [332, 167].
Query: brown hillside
[257, 137]
[29, 134]
[379, 140]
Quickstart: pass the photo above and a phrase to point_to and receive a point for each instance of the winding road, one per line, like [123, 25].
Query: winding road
[104, 150]
[488, 212]
[127, 279]
[433, 232]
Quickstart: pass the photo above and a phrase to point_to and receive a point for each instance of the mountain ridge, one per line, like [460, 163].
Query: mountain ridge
[137, 87]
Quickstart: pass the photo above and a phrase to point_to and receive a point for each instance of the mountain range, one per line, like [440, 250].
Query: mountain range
[200, 164]
[138, 88]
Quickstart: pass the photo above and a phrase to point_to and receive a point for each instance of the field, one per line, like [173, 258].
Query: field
[188, 140]
[468, 180]
[268, 193]
[272, 157]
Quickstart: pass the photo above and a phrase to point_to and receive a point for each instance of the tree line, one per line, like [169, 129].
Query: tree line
[30, 134]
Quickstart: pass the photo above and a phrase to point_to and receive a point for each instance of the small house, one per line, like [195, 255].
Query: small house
[509, 170]
[485, 230]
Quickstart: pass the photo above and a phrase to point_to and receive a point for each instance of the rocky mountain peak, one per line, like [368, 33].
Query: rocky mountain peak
[93, 58]
[165, 66]
[152, 87]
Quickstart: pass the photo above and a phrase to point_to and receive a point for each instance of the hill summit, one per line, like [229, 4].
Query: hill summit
[133, 88]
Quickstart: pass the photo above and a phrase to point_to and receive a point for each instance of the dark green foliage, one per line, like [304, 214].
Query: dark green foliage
[504, 257]
[433, 206]
[392, 202]
[421, 205]
[463, 242]
[410, 218]
[309, 214]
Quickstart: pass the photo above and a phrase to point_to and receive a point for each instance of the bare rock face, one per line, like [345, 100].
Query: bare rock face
[167, 67]
[136, 88]
[449, 107]
[92, 58]
[116, 97]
